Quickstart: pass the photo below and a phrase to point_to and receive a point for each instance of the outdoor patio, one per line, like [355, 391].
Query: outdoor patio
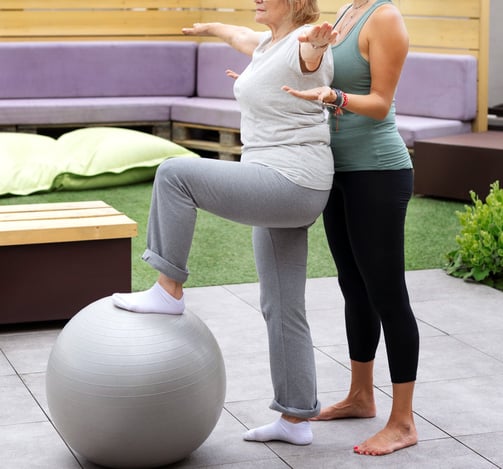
[458, 400]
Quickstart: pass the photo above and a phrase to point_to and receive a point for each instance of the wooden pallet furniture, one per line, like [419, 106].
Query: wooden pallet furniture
[58, 257]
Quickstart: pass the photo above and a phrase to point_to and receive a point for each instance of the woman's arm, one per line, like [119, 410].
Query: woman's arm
[313, 44]
[384, 42]
[242, 39]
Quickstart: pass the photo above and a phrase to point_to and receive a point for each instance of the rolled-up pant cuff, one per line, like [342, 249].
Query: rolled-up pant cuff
[165, 267]
[300, 413]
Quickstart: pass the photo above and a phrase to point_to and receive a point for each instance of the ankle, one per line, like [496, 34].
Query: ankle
[174, 288]
[292, 419]
[361, 395]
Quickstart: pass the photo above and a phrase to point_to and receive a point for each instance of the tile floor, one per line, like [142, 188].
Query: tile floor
[458, 399]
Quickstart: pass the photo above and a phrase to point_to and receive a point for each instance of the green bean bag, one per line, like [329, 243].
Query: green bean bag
[88, 158]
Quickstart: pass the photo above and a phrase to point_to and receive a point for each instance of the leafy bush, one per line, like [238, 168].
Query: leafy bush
[479, 255]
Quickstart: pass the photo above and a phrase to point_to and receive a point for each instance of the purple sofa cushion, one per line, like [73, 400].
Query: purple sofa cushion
[213, 59]
[207, 111]
[97, 69]
[413, 128]
[438, 85]
[86, 110]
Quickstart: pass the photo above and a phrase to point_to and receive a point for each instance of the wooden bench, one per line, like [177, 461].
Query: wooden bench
[58, 257]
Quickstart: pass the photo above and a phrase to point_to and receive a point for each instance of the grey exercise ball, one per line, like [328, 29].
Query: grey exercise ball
[130, 390]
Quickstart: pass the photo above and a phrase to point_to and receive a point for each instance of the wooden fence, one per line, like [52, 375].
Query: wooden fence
[443, 26]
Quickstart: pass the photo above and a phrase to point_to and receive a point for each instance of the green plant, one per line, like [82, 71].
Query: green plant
[479, 255]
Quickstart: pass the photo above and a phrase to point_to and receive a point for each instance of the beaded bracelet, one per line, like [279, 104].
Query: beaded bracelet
[341, 98]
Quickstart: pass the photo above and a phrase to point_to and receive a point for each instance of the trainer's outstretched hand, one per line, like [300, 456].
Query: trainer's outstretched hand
[314, 94]
[232, 74]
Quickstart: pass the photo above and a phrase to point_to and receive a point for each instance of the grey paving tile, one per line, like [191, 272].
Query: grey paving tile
[425, 329]
[219, 301]
[327, 327]
[238, 332]
[437, 454]
[435, 284]
[446, 358]
[247, 292]
[462, 407]
[330, 374]
[34, 446]
[488, 342]
[225, 446]
[5, 366]
[467, 315]
[257, 464]
[324, 294]
[17, 404]
[29, 352]
[488, 445]
[248, 376]
[340, 354]
[35, 382]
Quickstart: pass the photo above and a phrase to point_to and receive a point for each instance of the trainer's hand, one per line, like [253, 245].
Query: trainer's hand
[232, 74]
[320, 93]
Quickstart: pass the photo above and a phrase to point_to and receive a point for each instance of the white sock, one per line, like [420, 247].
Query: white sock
[282, 430]
[154, 300]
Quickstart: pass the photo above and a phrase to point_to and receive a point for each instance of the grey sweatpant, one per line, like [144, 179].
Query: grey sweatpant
[280, 213]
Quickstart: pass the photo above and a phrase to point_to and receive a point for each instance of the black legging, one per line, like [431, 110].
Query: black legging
[364, 222]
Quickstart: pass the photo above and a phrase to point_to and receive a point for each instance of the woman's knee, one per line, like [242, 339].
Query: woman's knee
[170, 167]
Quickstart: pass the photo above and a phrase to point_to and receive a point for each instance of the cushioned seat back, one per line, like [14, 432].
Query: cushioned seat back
[97, 69]
[213, 59]
[438, 85]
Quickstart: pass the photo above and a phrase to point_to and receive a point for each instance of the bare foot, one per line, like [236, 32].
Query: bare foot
[389, 439]
[347, 409]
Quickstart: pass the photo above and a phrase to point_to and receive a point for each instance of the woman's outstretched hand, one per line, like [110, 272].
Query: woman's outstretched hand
[232, 74]
[320, 35]
[198, 29]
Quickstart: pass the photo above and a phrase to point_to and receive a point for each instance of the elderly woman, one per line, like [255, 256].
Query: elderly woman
[280, 187]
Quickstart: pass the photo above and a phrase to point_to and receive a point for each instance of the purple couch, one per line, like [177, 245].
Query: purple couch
[79, 83]
[436, 96]
[213, 59]
[182, 87]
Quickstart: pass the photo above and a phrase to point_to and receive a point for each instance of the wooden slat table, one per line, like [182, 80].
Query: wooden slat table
[57, 258]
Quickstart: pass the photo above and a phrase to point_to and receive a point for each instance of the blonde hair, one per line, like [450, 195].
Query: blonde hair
[304, 11]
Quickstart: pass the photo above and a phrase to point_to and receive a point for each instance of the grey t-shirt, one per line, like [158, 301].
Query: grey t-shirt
[280, 130]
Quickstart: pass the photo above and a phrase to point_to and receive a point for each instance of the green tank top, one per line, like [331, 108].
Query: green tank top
[361, 143]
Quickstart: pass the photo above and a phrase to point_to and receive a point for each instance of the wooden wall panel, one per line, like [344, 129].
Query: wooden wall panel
[447, 8]
[97, 23]
[93, 4]
[444, 33]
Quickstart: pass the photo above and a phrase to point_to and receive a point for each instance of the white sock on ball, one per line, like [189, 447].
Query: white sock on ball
[282, 430]
[154, 300]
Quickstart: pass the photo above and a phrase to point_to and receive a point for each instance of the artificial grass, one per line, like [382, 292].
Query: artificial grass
[222, 250]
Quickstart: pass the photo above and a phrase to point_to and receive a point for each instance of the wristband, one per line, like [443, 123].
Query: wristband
[341, 98]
